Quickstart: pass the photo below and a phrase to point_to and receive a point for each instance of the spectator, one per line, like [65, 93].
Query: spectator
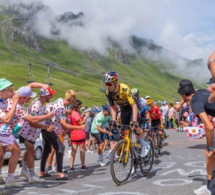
[78, 136]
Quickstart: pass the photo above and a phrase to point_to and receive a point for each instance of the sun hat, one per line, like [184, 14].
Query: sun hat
[4, 83]
[26, 92]
[185, 87]
[48, 91]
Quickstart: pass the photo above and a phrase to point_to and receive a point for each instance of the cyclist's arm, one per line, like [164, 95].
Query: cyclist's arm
[148, 116]
[134, 112]
[113, 113]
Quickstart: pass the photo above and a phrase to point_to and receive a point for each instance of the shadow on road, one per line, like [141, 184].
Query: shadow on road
[199, 146]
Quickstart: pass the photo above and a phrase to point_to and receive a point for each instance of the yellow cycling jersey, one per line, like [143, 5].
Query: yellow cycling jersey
[122, 98]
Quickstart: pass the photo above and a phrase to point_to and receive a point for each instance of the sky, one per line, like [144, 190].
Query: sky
[184, 27]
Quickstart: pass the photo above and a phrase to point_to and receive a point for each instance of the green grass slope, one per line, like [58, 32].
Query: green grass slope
[72, 69]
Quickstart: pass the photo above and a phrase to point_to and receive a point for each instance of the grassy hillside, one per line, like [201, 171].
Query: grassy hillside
[71, 69]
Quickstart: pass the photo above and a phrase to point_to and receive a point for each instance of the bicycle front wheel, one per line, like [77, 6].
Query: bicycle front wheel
[121, 162]
[156, 148]
[147, 161]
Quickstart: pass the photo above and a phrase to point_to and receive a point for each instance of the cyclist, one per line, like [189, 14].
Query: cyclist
[156, 117]
[142, 106]
[120, 94]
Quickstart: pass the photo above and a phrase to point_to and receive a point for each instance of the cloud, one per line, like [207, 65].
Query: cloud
[185, 28]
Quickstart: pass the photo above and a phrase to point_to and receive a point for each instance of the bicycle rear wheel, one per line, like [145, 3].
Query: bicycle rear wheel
[147, 161]
[120, 166]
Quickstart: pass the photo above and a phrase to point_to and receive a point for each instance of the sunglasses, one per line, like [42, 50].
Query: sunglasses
[108, 84]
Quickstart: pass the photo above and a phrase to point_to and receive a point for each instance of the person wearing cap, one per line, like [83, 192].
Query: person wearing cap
[201, 107]
[28, 134]
[6, 131]
[6, 92]
[98, 129]
[52, 139]
[147, 97]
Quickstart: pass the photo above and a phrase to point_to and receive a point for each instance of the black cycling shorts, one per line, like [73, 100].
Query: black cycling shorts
[126, 113]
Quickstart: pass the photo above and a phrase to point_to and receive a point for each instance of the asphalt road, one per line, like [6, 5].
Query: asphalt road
[178, 171]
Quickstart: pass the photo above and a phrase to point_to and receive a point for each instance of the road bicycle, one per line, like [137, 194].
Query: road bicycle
[157, 141]
[127, 155]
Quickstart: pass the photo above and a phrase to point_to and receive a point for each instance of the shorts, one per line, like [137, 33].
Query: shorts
[126, 113]
[78, 142]
[115, 137]
[87, 135]
[22, 140]
[105, 136]
[7, 139]
[99, 137]
[156, 122]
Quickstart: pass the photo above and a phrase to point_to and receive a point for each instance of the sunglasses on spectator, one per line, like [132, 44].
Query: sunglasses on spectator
[108, 84]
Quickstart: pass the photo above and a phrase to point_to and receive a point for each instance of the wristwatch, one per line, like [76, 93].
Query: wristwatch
[210, 148]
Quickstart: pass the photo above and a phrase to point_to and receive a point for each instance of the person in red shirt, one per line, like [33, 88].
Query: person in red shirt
[78, 136]
[155, 116]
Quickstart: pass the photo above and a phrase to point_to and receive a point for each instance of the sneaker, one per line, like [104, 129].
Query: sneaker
[101, 162]
[116, 157]
[2, 180]
[203, 190]
[52, 172]
[12, 184]
[36, 179]
[71, 170]
[24, 173]
[83, 169]
[89, 152]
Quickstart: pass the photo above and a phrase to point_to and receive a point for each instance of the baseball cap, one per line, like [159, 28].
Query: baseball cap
[185, 86]
[48, 91]
[4, 83]
[147, 97]
[26, 92]
[106, 107]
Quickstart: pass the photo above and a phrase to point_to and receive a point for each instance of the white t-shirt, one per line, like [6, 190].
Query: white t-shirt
[59, 113]
[28, 132]
[20, 113]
